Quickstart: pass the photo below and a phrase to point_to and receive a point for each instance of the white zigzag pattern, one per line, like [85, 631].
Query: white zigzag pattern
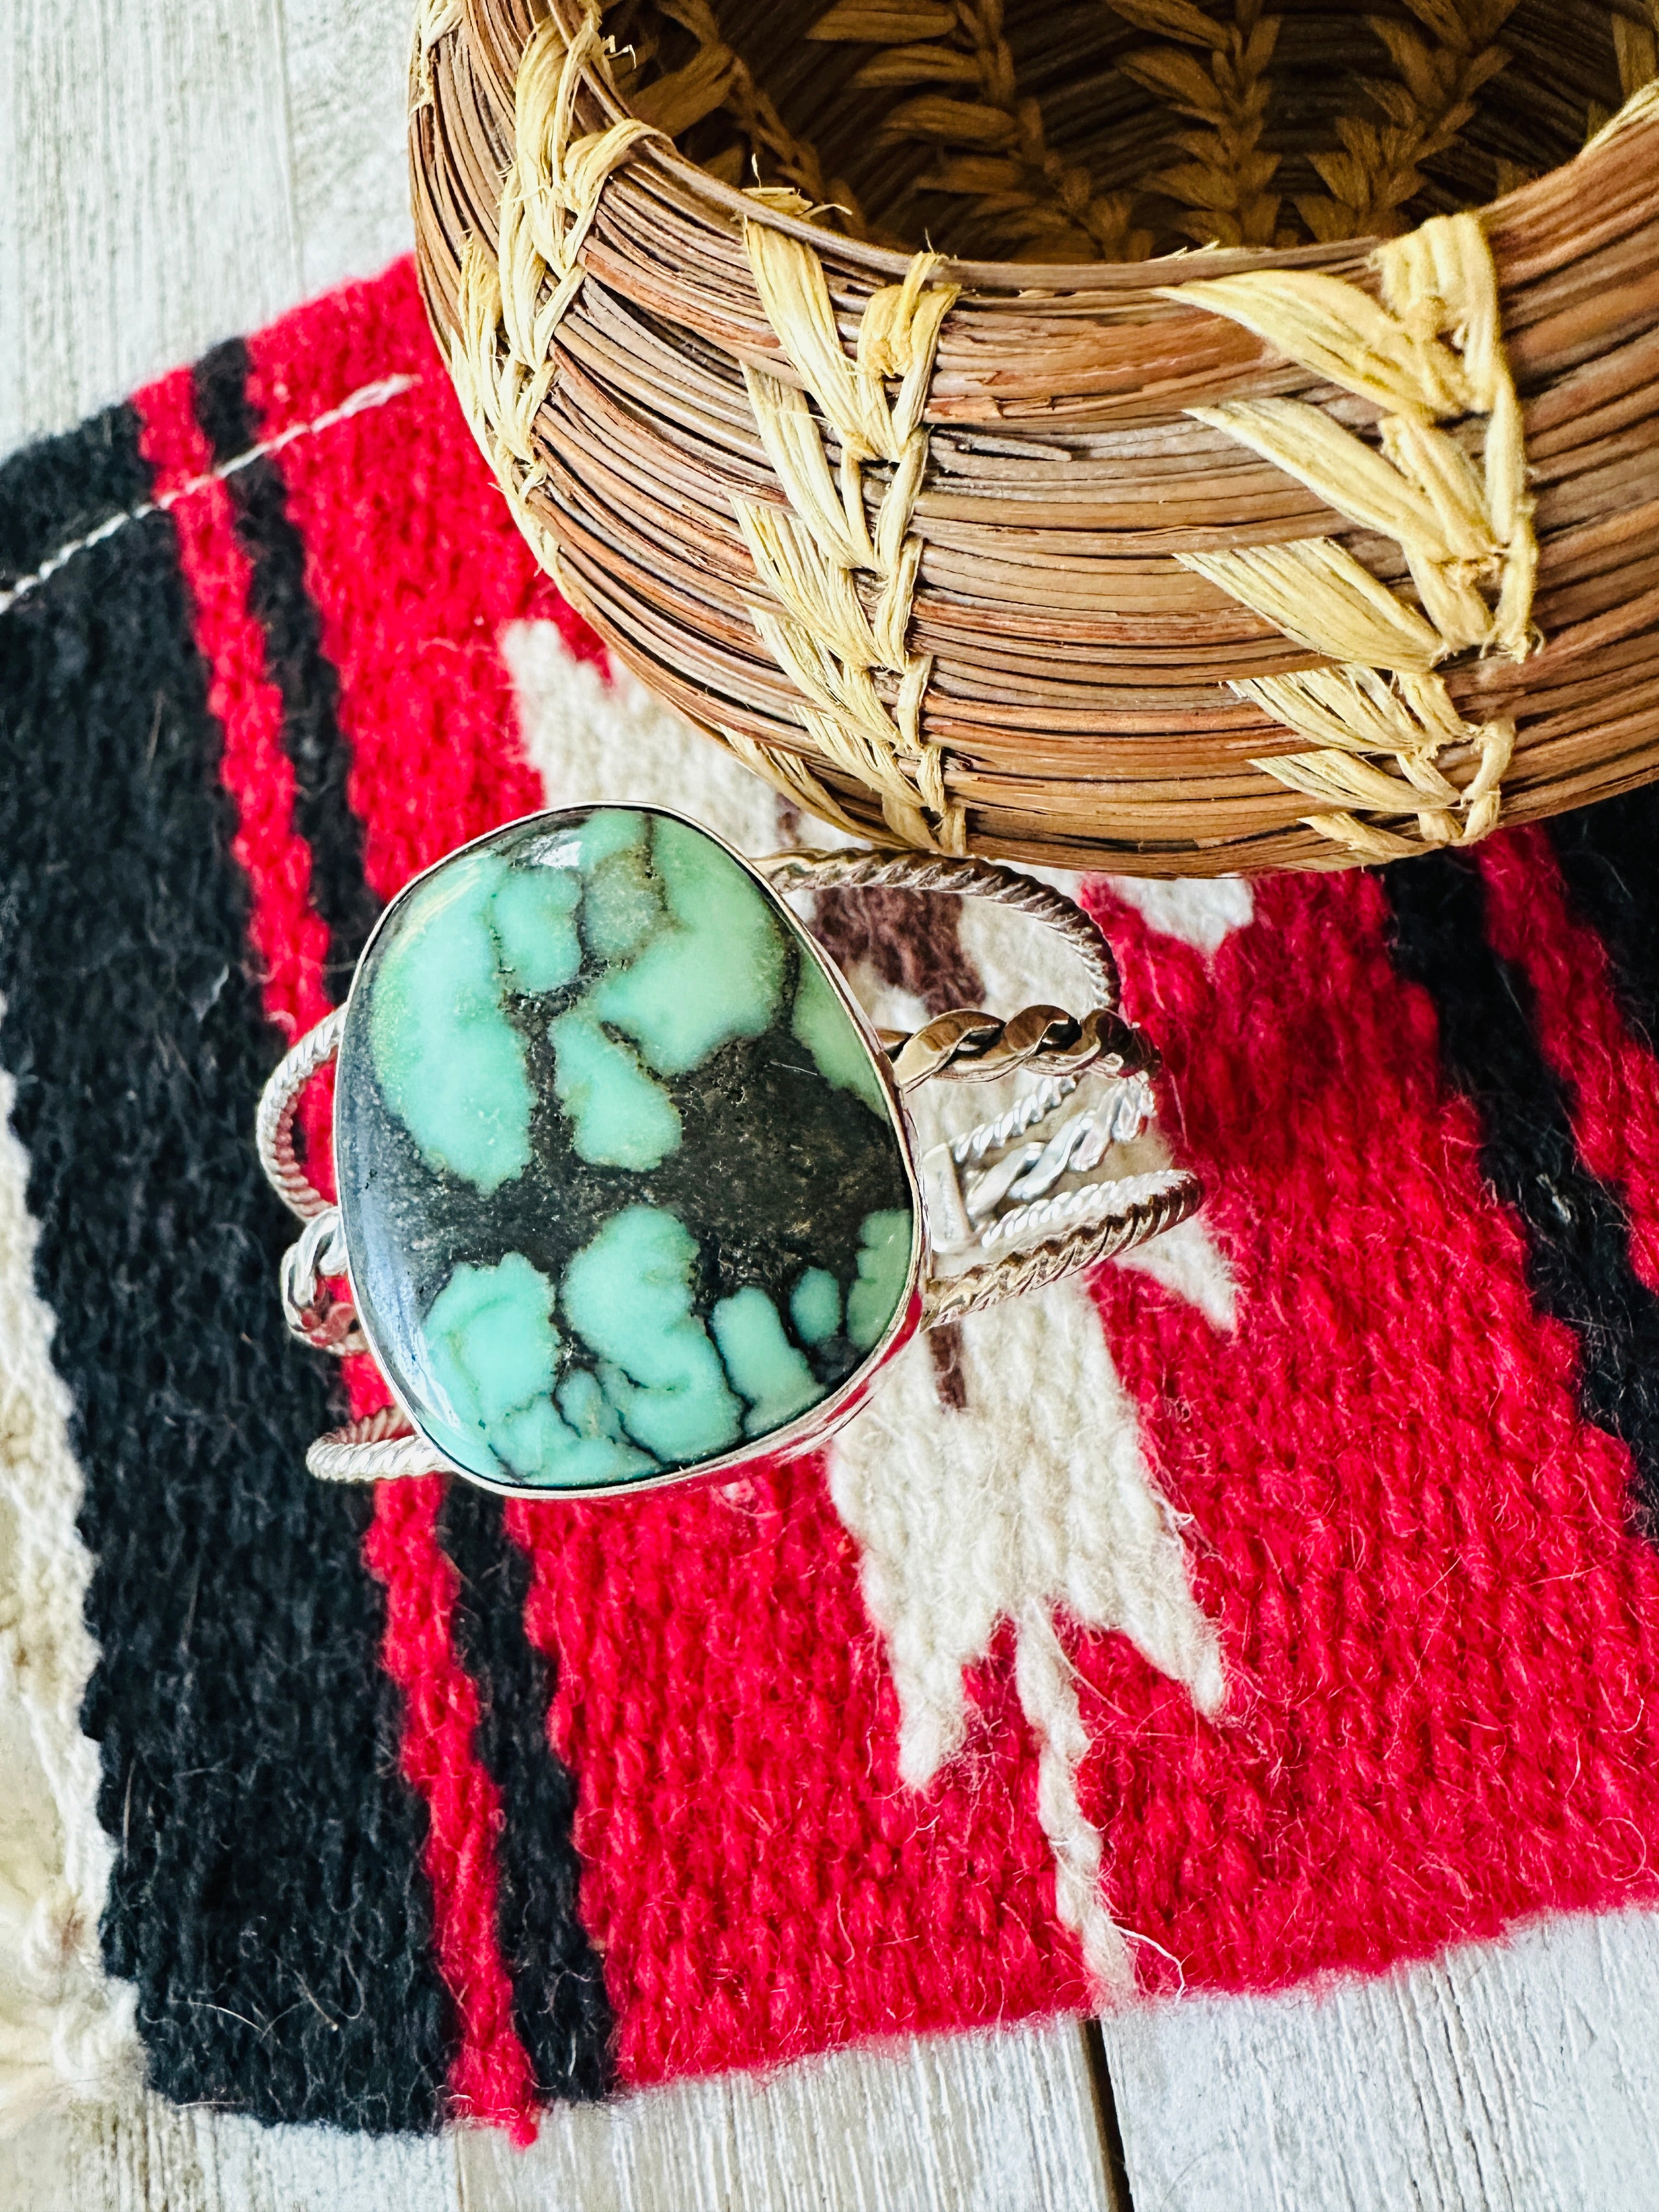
[1035, 1502]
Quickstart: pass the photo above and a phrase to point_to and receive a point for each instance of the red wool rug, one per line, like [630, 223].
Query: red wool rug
[1281, 1600]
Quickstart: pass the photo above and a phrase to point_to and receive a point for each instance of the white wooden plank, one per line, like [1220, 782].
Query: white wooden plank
[179, 171]
[1001, 2122]
[145, 175]
[150, 2156]
[973, 2124]
[347, 71]
[1517, 2078]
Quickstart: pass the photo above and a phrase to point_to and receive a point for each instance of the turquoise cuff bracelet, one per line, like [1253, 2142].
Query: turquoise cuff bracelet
[628, 1189]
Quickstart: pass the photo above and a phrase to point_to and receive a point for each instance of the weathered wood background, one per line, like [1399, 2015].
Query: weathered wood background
[175, 171]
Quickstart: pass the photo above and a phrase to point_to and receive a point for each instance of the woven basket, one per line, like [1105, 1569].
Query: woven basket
[1299, 550]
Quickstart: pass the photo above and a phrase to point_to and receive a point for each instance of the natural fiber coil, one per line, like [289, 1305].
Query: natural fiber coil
[1312, 552]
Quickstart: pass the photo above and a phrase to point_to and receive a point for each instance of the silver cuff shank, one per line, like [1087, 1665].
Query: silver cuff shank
[1010, 1206]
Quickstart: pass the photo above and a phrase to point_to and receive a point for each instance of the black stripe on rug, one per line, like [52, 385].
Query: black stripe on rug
[560, 2007]
[1609, 855]
[267, 1898]
[73, 485]
[294, 660]
[1579, 1245]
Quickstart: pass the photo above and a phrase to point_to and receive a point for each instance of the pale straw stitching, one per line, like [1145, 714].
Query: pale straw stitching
[810, 555]
[1430, 352]
[511, 303]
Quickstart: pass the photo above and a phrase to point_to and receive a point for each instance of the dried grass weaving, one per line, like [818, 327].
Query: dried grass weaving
[1281, 494]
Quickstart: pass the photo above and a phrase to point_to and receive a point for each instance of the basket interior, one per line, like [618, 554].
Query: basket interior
[1057, 130]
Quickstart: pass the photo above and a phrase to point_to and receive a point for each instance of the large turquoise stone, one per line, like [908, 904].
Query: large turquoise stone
[623, 1189]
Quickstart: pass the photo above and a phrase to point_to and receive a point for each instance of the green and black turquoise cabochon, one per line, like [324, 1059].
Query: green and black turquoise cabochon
[623, 1192]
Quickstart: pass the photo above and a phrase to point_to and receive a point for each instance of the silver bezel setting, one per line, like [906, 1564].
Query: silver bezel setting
[820, 1421]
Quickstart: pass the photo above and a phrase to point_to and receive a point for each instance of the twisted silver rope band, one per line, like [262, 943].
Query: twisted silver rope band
[961, 878]
[313, 1313]
[273, 1128]
[1035, 1267]
[1051, 1042]
[382, 1447]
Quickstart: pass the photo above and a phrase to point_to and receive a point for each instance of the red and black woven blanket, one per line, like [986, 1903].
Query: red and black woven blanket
[1283, 1600]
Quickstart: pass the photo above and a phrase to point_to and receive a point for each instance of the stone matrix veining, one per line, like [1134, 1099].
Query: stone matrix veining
[622, 1188]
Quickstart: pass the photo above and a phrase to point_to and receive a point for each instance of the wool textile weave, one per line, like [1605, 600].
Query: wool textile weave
[1282, 1599]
